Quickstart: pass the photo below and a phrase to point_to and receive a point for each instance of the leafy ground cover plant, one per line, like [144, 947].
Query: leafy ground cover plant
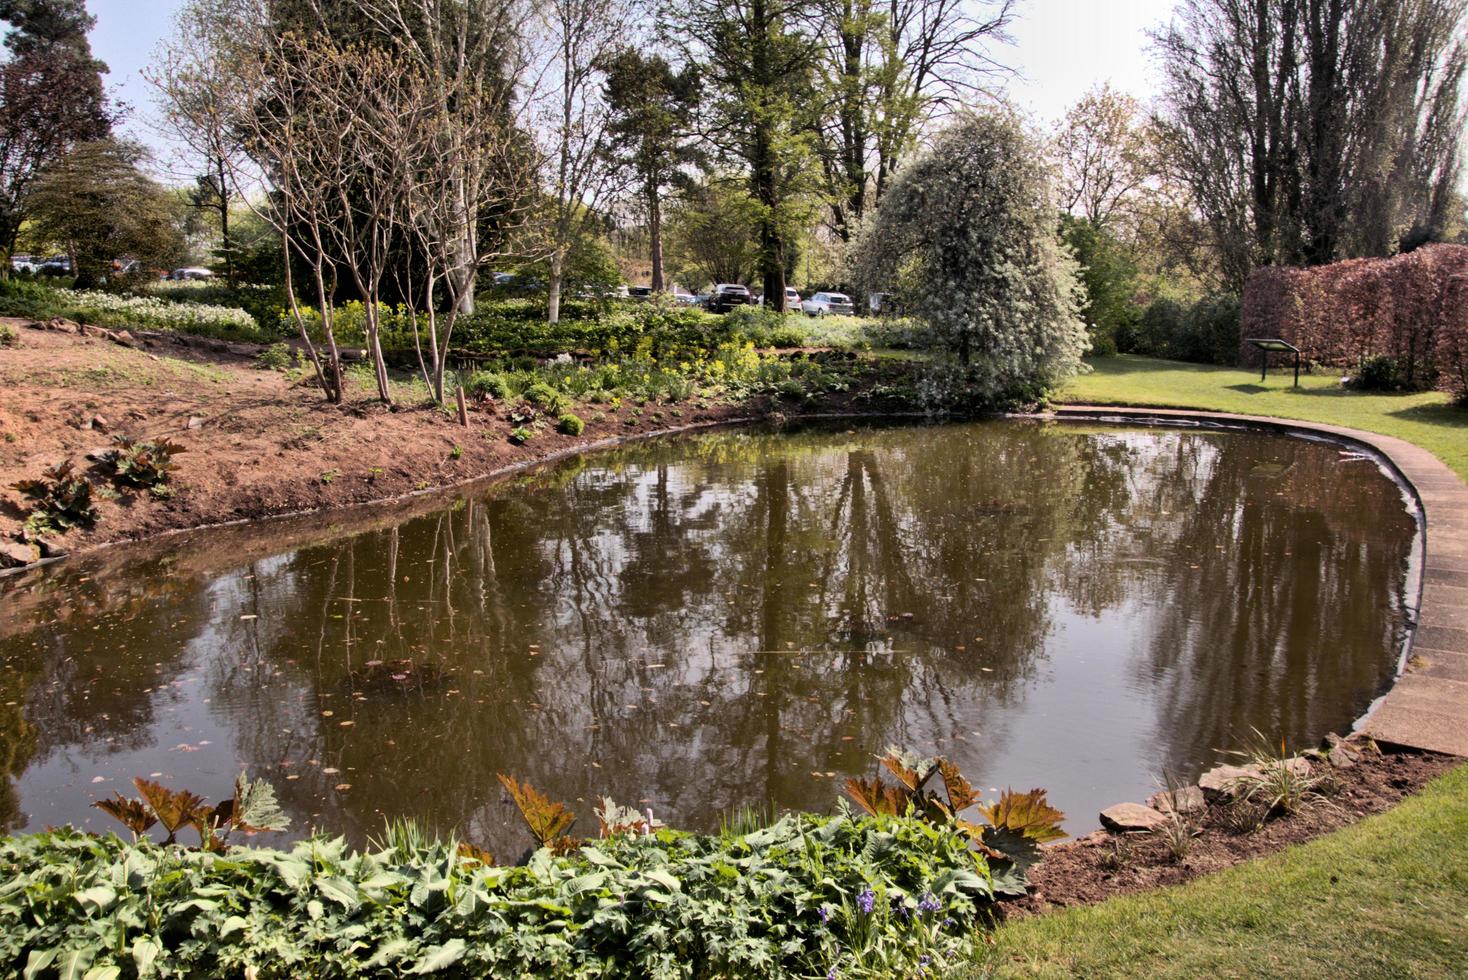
[571, 424]
[146, 465]
[851, 895]
[59, 501]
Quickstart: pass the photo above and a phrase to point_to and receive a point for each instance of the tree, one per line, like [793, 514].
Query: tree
[884, 71]
[1309, 130]
[759, 67]
[713, 234]
[97, 205]
[965, 240]
[194, 119]
[1109, 273]
[577, 39]
[652, 108]
[51, 99]
[1105, 156]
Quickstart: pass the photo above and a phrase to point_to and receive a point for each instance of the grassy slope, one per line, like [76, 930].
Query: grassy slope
[1425, 419]
[1387, 897]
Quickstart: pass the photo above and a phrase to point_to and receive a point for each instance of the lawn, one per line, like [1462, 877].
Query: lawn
[1387, 897]
[1425, 419]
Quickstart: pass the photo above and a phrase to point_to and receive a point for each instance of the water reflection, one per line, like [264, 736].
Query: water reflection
[731, 619]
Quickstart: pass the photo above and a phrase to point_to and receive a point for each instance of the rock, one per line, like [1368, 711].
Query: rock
[15, 554]
[1221, 783]
[100, 423]
[50, 547]
[195, 422]
[62, 325]
[125, 339]
[1126, 818]
[1342, 756]
[1187, 800]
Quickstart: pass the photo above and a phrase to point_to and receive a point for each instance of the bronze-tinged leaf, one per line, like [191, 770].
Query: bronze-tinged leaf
[911, 770]
[547, 820]
[562, 846]
[174, 810]
[961, 794]
[976, 835]
[1027, 814]
[470, 854]
[876, 797]
[132, 814]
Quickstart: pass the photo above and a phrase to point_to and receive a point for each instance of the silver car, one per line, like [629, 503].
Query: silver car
[835, 304]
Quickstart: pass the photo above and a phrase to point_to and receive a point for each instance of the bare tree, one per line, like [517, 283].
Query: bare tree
[575, 40]
[1105, 155]
[886, 68]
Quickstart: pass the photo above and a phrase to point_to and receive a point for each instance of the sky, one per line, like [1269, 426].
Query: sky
[1062, 48]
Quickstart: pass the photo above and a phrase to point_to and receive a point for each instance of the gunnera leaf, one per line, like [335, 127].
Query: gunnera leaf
[256, 808]
[175, 809]
[1029, 814]
[548, 821]
[132, 814]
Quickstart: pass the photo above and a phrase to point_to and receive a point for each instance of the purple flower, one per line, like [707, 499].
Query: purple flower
[866, 901]
[832, 974]
[825, 914]
[930, 903]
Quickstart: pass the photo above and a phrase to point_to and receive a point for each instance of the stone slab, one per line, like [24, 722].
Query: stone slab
[1439, 663]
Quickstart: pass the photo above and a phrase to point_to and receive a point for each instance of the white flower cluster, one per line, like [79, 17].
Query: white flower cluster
[112, 309]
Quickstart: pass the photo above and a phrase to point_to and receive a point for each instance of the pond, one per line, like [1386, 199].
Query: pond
[735, 618]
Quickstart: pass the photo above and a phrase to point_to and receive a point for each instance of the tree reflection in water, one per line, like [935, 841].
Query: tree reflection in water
[741, 618]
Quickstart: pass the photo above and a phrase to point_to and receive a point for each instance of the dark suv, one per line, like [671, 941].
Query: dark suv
[726, 296]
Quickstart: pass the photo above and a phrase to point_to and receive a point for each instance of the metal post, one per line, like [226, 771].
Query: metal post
[1297, 369]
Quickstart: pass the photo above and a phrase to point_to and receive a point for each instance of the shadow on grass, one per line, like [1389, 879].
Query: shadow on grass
[1448, 416]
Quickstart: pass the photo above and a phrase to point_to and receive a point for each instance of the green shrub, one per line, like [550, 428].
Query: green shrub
[60, 500]
[571, 424]
[276, 357]
[141, 464]
[488, 384]
[7, 336]
[1380, 373]
[546, 398]
[521, 435]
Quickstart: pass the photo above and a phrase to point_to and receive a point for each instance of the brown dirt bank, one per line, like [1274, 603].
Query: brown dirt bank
[260, 444]
[1102, 865]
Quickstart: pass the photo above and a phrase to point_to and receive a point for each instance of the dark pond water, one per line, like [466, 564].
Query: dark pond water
[735, 618]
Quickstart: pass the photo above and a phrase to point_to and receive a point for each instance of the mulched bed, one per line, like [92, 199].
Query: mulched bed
[1101, 865]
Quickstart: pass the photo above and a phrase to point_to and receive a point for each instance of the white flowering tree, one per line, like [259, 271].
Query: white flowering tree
[966, 241]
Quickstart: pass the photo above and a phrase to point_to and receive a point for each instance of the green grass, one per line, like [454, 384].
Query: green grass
[1387, 897]
[1428, 420]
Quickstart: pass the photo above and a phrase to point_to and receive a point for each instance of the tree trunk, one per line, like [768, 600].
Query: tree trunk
[225, 245]
[553, 287]
[655, 236]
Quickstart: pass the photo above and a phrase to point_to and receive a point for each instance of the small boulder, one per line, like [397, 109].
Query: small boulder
[1222, 782]
[50, 547]
[62, 325]
[1126, 818]
[17, 554]
[100, 423]
[195, 422]
[1186, 800]
[125, 339]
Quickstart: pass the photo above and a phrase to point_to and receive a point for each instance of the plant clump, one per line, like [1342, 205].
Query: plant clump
[570, 424]
[145, 464]
[59, 501]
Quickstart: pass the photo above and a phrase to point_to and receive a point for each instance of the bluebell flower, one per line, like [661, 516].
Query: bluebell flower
[930, 903]
[832, 974]
[825, 914]
[866, 901]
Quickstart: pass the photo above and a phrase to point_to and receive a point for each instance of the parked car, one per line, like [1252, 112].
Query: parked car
[882, 304]
[686, 299]
[821, 304]
[640, 293]
[190, 272]
[57, 265]
[24, 263]
[726, 296]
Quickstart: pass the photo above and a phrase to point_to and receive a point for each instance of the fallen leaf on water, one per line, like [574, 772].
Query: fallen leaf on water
[99, 779]
[330, 771]
[343, 786]
[348, 724]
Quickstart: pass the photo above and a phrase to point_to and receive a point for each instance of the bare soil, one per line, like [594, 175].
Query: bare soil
[260, 443]
[1104, 865]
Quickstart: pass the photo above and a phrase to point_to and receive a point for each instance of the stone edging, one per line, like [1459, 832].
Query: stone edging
[1427, 706]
